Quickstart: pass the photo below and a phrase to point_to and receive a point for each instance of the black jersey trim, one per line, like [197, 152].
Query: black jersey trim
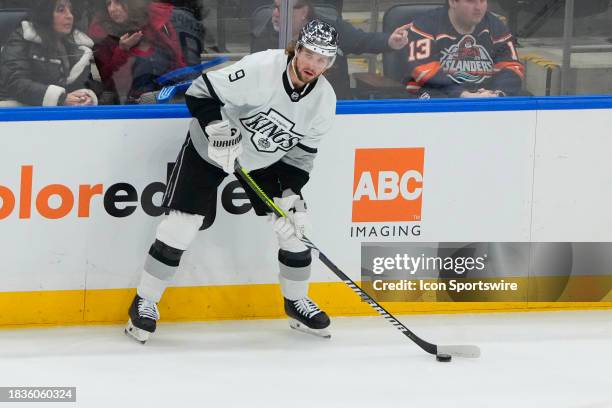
[301, 93]
[211, 89]
[204, 109]
[306, 148]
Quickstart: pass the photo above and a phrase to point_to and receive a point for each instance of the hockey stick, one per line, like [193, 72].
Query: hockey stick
[453, 350]
[167, 92]
[168, 77]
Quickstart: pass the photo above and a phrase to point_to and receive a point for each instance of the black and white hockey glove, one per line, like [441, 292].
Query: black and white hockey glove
[297, 223]
[224, 144]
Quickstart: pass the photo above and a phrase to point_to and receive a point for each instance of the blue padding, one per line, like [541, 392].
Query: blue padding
[93, 113]
[362, 107]
[473, 105]
[575, 102]
[435, 105]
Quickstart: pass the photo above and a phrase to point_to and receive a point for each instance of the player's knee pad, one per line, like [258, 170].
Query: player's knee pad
[178, 229]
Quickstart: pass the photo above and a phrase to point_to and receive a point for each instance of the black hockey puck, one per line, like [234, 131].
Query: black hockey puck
[444, 358]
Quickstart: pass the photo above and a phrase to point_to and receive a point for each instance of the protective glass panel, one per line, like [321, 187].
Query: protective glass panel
[86, 52]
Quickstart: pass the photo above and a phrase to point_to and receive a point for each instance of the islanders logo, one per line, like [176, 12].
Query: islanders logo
[467, 62]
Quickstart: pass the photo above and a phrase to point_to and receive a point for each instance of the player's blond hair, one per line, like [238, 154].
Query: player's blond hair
[290, 50]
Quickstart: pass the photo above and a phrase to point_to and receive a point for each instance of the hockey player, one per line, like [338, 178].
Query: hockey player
[462, 50]
[269, 110]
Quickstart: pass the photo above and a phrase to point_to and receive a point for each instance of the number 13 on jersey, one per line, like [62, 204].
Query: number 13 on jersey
[419, 49]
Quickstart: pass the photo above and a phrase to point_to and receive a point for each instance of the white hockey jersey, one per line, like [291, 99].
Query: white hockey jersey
[276, 121]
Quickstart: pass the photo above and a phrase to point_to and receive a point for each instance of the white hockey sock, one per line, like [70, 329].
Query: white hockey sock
[292, 289]
[151, 288]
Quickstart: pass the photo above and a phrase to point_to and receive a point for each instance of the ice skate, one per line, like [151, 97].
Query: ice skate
[305, 316]
[143, 319]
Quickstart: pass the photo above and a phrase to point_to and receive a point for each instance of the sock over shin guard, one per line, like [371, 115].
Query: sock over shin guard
[294, 273]
[174, 234]
[159, 270]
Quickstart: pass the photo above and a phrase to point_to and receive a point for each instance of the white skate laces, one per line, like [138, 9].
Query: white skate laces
[306, 307]
[148, 309]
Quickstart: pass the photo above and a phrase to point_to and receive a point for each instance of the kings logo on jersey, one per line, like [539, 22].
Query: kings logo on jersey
[467, 61]
[271, 131]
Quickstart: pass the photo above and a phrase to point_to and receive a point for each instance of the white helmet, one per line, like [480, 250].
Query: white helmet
[319, 37]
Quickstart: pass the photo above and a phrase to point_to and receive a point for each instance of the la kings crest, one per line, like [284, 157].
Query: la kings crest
[271, 131]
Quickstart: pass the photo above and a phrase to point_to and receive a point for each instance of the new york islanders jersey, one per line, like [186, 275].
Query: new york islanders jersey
[256, 96]
[444, 63]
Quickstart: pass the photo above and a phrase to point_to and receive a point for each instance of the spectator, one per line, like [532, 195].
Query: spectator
[46, 61]
[194, 6]
[187, 17]
[350, 40]
[462, 50]
[136, 41]
[16, 4]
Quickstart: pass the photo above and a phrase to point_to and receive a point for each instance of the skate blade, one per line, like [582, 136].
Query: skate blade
[135, 333]
[299, 326]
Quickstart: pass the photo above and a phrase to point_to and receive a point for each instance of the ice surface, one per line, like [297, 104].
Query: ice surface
[550, 359]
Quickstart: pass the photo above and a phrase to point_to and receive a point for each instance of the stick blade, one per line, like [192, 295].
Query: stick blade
[460, 351]
[166, 94]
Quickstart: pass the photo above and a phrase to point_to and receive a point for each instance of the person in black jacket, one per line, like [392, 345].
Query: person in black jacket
[350, 40]
[46, 61]
[16, 4]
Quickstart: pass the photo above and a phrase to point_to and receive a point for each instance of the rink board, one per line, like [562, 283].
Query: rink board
[79, 208]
